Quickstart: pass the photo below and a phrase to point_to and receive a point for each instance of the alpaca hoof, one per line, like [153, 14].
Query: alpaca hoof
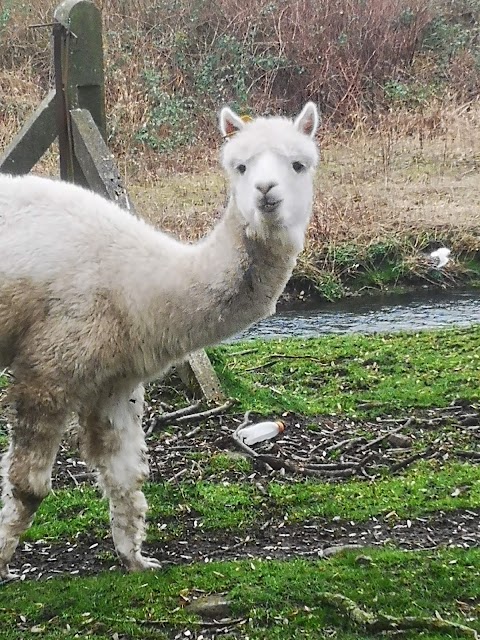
[142, 563]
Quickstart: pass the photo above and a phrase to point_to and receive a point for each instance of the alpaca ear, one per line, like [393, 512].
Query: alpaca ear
[229, 122]
[308, 120]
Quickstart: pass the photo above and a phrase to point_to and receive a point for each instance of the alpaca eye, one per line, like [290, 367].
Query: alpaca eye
[298, 167]
[241, 168]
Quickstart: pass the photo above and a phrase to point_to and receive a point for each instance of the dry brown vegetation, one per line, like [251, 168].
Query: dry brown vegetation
[397, 83]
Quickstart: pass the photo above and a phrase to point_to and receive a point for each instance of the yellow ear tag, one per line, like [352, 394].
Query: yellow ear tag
[244, 118]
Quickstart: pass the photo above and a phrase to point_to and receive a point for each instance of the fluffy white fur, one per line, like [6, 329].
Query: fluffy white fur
[94, 302]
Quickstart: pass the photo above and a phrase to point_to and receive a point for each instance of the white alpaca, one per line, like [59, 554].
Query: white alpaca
[94, 302]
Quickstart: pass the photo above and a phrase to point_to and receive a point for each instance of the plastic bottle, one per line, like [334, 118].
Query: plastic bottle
[261, 431]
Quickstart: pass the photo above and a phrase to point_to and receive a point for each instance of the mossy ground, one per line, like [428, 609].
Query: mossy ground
[356, 375]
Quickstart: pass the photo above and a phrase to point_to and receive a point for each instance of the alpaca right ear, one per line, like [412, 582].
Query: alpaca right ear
[308, 120]
[229, 122]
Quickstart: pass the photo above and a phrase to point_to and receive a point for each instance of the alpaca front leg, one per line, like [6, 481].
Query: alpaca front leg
[113, 442]
[26, 471]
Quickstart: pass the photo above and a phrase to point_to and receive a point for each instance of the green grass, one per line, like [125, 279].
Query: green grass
[355, 375]
[279, 600]
[352, 375]
[421, 490]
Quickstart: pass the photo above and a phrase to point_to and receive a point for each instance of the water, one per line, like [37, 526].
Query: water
[411, 312]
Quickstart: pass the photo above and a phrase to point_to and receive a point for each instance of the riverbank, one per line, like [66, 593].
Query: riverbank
[385, 313]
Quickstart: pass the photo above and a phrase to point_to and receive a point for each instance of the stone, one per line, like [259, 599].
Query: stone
[213, 607]
[400, 441]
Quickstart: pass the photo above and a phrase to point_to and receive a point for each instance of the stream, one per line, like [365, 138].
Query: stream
[377, 314]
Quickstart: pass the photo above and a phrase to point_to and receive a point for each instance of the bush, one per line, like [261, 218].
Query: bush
[172, 63]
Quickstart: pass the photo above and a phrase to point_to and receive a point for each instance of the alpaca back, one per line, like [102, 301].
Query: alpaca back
[52, 231]
[72, 264]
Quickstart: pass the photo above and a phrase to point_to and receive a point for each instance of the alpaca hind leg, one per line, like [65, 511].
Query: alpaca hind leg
[113, 442]
[26, 471]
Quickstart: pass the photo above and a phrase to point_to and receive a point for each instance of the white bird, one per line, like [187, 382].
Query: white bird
[442, 256]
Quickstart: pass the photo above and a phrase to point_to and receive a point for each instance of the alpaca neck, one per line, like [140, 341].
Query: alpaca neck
[233, 281]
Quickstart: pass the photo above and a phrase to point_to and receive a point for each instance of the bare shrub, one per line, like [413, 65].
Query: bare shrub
[164, 60]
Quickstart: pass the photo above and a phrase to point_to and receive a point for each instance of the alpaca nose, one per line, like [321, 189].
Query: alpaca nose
[265, 187]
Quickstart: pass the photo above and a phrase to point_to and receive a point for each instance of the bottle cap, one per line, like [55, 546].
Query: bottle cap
[281, 426]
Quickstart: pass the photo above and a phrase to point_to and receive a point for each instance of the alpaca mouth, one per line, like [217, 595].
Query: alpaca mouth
[267, 205]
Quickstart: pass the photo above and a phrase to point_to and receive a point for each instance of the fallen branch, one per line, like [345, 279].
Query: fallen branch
[187, 415]
[383, 437]
[402, 464]
[345, 445]
[239, 442]
[472, 455]
[203, 415]
[172, 416]
[275, 357]
[381, 622]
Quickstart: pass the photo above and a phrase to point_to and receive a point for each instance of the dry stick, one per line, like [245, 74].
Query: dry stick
[239, 442]
[274, 357]
[232, 547]
[473, 455]
[185, 415]
[173, 415]
[178, 413]
[243, 352]
[177, 475]
[366, 459]
[332, 466]
[203, 415]
[339, 473]
[73, 477]
[408, 461]
[372, 443]
[193, 432]
[345, 444]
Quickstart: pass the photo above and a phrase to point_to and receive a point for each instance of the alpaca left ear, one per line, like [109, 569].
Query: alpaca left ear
[308, 120]
[229, 122]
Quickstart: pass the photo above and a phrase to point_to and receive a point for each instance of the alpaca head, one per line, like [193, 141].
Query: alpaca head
[270, 163]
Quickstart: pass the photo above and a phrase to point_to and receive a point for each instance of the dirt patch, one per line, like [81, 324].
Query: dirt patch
[271, 539]
[366, 449]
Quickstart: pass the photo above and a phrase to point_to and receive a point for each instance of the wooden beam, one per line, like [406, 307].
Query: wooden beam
[33, 139]
[198, 374]
[95, 160]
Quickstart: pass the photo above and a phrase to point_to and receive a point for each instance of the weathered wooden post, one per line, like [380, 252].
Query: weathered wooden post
[75, 112]
[79, 79]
